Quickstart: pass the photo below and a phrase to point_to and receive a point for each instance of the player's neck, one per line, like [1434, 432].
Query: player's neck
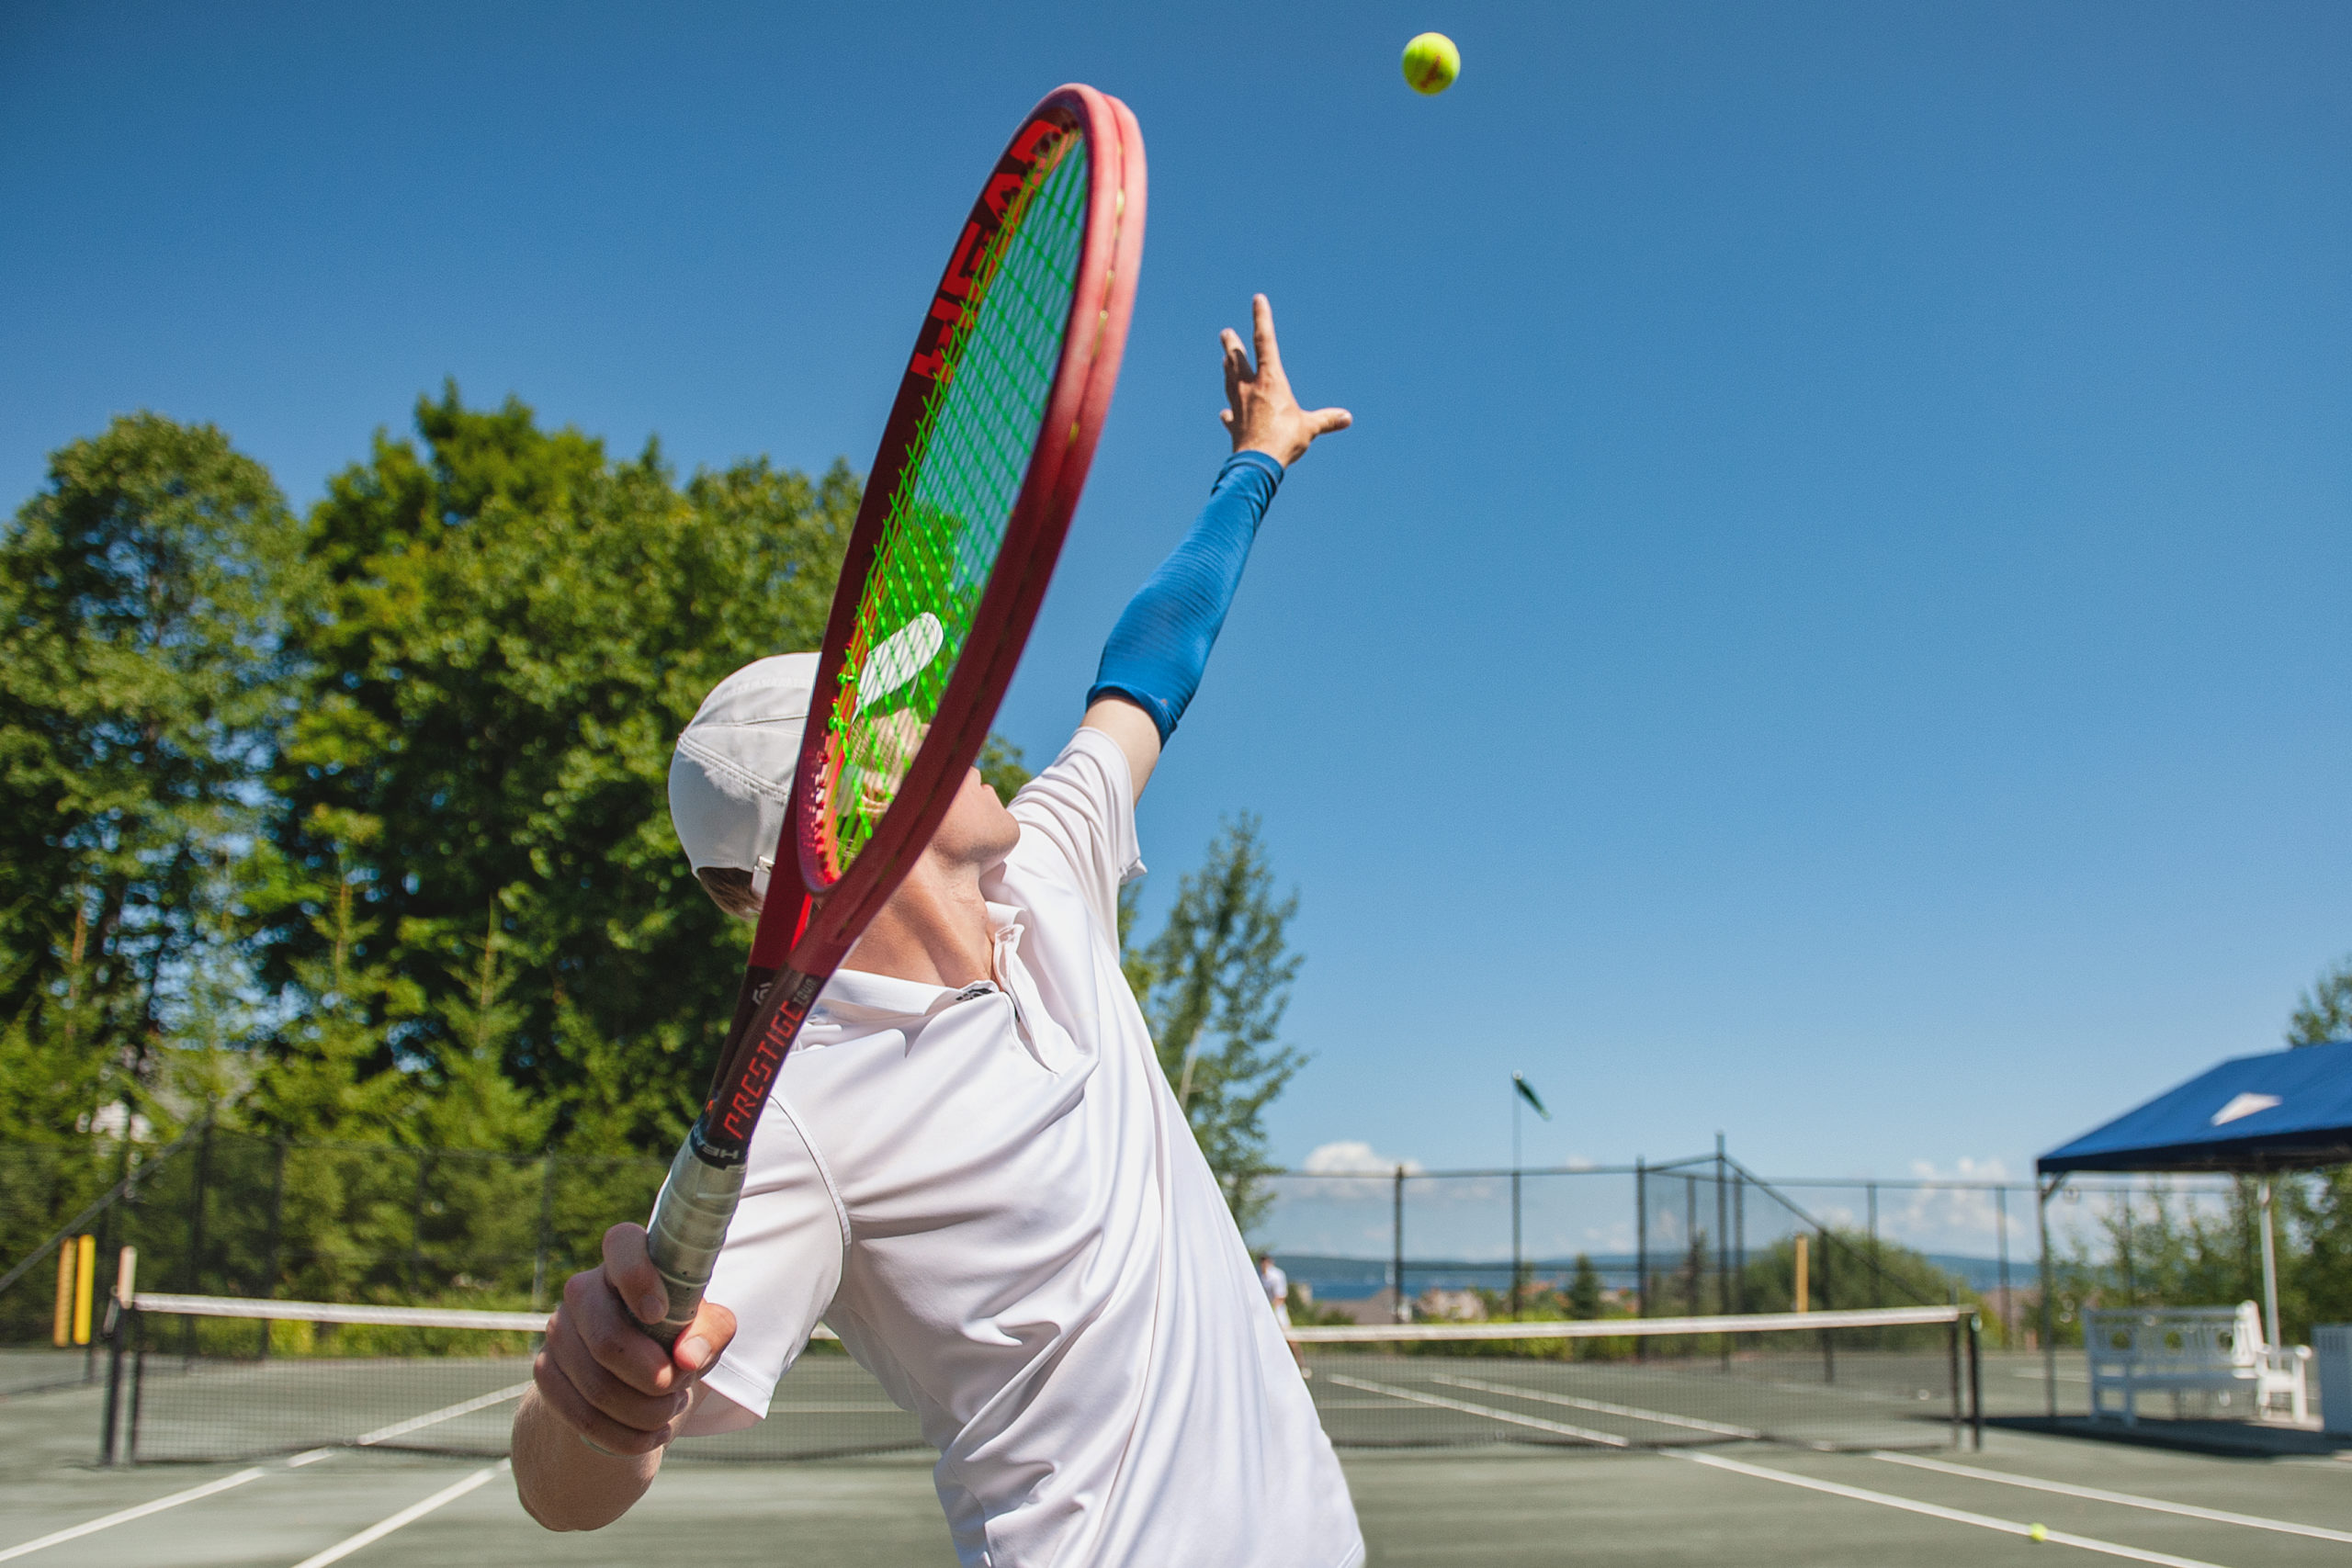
[934, 931]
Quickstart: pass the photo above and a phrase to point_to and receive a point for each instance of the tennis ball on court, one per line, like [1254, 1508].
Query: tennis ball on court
[1431, 62]
[2035, 1532]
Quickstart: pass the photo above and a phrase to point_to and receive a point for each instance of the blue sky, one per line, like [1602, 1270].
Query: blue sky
[1828, 627]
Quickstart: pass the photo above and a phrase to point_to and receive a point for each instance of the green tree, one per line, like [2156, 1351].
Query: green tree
[512, 630]
[2325, 1013]
[1214, 984]
[1584, 1289]
[145, 677]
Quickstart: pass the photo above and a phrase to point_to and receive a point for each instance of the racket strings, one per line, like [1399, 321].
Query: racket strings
[948, 515]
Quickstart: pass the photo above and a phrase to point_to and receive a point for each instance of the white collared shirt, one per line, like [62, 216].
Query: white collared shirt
[990, 1195]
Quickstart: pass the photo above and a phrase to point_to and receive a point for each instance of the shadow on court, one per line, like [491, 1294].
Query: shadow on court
[1757, 1503]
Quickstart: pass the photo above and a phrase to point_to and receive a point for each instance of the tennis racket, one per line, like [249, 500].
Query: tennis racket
[971, 493]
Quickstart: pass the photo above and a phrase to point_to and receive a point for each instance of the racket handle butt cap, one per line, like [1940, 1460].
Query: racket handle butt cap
[689, 1226]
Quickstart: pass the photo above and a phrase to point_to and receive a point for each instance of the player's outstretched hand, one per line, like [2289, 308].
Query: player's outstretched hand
[1264, 416]
[604, 1377]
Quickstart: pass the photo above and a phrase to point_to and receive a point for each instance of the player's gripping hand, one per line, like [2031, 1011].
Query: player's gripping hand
[1264, 415]
[601, 1374]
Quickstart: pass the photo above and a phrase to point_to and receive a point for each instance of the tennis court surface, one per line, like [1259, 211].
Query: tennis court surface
[382, 1443]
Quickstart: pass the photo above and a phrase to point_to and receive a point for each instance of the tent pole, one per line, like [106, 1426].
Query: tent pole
[2269, 1271]
[2048, 1314]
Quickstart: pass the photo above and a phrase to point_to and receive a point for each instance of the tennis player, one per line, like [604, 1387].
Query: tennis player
[972, 1168]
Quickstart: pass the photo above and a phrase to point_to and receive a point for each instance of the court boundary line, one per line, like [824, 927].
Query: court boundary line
[1937, 1511]
[1605, 1440]
[407, 1515]
[1599, 1407]
[434, 1418]
[137, 1511]
[2122, 1499]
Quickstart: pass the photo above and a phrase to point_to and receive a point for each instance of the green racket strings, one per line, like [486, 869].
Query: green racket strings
[955, 497]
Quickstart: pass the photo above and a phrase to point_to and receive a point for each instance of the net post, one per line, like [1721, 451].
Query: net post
[1976, 1381]
[2001, 1228]
[1951, 1340]
[118, 1332]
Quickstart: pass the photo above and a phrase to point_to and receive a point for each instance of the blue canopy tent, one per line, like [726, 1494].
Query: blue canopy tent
[2252, 1115]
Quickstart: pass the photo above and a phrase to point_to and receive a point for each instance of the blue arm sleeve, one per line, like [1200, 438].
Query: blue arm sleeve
[1161, 644]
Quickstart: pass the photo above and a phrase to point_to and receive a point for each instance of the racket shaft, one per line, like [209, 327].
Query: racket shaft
[690, 1218]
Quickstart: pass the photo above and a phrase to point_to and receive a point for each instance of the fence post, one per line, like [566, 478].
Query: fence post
[1723, 1240]
[1641, 1248]
[2009, 1311]
[1878, 1279]
[416, 1220]
[1739, 1238]
[540, 1258]
[277, 1231]
[1396, 1242]
[1828, 1345]
[2049, 1311]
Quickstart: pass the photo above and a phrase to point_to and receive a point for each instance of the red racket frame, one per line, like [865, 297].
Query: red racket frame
[806, 929]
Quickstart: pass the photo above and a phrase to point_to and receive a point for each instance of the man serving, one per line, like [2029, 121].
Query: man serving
[971, 1166]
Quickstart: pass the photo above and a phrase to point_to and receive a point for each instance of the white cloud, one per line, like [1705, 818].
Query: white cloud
[1350, 1158]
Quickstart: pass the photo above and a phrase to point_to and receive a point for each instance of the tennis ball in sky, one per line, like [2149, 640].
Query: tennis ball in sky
[1431, 62]
[2036, 1532]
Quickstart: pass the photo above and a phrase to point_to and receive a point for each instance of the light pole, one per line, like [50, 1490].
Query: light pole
[1521, 1091]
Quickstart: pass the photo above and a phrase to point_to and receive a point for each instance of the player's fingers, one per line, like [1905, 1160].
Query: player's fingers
[706, 1336]
[593, 1315]
[1322, 422]
[631, 1272]
[600, 1389]
[1225, 417]
[1237, 357]
[1262, 321]
[574, 1409]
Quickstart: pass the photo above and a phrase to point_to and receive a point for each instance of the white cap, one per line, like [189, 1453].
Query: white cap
[732, 775]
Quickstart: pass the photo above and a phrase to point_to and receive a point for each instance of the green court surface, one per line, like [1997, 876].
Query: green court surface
[1742, 1503]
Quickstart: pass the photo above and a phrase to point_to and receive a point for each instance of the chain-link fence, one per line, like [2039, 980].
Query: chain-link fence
[229, 1214]
[1706, 1235]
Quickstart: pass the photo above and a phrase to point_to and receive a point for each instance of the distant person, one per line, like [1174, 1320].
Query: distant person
[1277, 1288]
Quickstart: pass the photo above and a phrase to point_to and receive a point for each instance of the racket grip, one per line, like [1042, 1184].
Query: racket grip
[689, 1226]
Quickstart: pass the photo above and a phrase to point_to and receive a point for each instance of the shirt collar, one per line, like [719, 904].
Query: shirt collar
[858, 996]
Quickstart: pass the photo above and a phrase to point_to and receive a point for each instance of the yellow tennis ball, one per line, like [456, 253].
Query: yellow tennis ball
[2035, 1532]
[1431, 62]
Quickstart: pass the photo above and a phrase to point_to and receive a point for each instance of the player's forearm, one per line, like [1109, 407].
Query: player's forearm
[564, 1484]
[1160, 646]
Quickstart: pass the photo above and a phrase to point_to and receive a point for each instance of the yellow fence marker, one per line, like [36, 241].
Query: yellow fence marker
[85, 1274]
[62, 1333]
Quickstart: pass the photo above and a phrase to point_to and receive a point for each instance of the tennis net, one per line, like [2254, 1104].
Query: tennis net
[212, 1379]
[1901, 1377]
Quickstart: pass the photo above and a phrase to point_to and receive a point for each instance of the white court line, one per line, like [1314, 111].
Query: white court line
[1607, 1439]
[2125, 1499]
[77, 1532]
[1689, 1423]
[407, 1515]
[1933, 1511]
[434, 1418]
